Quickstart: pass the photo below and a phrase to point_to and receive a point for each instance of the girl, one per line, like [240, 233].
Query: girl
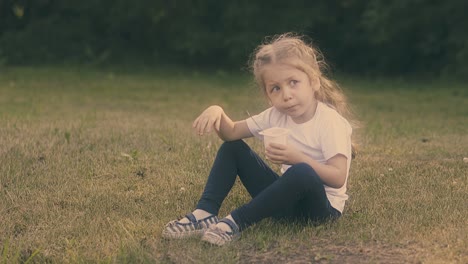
[315, 162]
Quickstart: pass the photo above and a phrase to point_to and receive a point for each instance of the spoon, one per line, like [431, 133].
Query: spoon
[254, 120]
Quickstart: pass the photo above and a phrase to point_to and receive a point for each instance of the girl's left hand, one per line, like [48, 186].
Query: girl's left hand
[283, 154]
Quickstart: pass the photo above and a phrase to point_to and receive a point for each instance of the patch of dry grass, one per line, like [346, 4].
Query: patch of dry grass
[94, 163]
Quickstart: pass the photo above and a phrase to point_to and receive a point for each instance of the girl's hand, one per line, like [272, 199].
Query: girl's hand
[283, 154]
[210, 118]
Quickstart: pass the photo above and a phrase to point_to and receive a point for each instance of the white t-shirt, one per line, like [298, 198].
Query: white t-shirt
[324, 136]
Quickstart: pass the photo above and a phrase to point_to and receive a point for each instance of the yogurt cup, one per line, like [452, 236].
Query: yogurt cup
[275, 135]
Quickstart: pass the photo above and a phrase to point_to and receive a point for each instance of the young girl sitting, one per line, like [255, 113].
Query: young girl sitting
[315, 161]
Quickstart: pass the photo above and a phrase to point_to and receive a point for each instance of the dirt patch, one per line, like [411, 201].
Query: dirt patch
[323, 251]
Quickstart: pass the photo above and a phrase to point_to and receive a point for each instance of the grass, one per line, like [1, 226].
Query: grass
[95, 162]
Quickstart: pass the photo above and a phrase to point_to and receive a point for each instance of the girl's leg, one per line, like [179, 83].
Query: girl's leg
[235, 158]
[299, 193]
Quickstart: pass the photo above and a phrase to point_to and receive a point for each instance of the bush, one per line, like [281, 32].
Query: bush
[397, 37]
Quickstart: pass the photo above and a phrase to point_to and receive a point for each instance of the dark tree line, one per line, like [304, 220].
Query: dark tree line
[389, 37]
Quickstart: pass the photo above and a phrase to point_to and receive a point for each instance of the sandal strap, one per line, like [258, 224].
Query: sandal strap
[191, 217]
[231, 224]
[209, 220]
[193, 220]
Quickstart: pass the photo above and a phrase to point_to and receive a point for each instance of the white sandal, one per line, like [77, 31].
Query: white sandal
[177, 230]
[217, 236]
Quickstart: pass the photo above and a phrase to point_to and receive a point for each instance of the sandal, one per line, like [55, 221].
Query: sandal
[216, 236]
[176, 229]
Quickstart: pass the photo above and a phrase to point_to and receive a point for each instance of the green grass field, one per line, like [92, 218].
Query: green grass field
[93, 163]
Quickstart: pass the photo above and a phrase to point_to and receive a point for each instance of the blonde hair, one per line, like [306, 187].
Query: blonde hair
[294, 50]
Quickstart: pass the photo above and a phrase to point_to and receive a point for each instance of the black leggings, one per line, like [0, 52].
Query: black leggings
[298, 194]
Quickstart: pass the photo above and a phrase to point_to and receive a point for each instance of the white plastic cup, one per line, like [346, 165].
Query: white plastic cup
[275, 135]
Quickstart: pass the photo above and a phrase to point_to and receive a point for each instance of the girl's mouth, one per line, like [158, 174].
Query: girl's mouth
[291, 108]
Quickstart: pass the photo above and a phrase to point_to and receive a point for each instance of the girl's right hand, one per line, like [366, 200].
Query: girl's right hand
[210, 118]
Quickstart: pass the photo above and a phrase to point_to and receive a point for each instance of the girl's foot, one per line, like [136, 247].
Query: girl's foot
[198, 213]
[192, 228]
[222, 233]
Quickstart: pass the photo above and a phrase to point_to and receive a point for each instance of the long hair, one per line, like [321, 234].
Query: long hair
[294, 50]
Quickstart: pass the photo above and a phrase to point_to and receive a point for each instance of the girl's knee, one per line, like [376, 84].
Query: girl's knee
[302, 168]
[302, 172]
[233, 145]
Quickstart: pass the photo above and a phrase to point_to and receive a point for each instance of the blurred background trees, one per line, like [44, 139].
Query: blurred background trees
[372, 37]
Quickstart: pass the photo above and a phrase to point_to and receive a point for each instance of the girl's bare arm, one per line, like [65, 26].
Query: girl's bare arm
[215, 118]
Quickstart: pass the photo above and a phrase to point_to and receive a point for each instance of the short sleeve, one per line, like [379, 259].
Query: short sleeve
[336, 137]
[260, 122]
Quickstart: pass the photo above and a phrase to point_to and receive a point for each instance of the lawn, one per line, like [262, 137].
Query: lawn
[94, 163]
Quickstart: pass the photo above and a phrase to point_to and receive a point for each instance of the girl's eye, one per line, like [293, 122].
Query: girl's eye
[275, 88]
[293, 82]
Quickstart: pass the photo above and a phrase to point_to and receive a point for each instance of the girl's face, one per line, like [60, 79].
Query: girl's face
[291, 91]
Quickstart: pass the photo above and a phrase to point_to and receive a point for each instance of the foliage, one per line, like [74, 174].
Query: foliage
[397, 37]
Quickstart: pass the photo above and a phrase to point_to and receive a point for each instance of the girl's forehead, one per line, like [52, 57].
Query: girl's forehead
[280, 71]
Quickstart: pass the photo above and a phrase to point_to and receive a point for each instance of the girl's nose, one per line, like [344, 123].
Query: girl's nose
[286, 94]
